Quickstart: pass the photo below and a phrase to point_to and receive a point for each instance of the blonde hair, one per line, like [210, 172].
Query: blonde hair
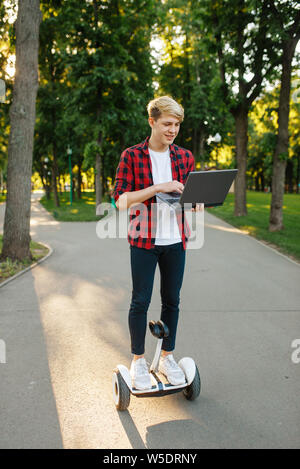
[165, 104]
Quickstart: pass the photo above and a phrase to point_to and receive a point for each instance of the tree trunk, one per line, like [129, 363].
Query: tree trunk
[282, 145]
[289, 175]
[16, 232]
[73, 188]
[79, 181]
[98, 173]
[1, 181]
[98, 180]
[201, 142]
[195, 138]
[54, 179]
[47, 189]
[198, 145]
[241, 141]
[262, 181]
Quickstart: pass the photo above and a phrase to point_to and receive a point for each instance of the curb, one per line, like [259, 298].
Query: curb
[286, 256]
[260, 241]
[31, 266]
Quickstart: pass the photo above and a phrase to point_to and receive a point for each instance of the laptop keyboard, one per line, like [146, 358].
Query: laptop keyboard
[170, 197]
[174, 197]
[173, 200]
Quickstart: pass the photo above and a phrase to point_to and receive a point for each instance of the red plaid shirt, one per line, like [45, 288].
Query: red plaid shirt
[134, 173]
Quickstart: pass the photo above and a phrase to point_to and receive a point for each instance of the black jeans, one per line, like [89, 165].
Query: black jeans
[171, 261]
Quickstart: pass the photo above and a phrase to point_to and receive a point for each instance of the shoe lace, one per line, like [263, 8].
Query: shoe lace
[141, 368]
[171, 362]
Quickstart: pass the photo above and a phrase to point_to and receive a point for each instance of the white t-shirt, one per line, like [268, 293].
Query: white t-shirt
[167, 231]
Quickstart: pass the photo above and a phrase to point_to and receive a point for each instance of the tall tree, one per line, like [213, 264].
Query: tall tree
[235, 35]
[247, 59]
[191, 76]
[287, 23]
[51, 90]
[16, 233]
[108, 63]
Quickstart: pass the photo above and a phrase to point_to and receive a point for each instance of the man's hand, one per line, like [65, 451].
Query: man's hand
[176, 186]
[172, 186]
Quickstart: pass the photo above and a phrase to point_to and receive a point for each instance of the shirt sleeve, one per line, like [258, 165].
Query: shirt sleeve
[124, 181]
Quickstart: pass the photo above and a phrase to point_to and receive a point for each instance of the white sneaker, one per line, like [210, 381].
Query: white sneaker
[140, 375]
[172, 371]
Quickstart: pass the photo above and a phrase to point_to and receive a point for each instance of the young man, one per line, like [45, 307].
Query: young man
[160, 237]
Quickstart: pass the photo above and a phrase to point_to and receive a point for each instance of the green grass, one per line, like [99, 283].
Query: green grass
[256, 223]
[81, 210]
[8, 268]
[2, 198]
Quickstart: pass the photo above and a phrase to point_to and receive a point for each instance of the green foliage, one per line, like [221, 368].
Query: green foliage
[283, 156]
[5, 50]
[90, 151]
[96, 79]
[191, 75]
[263, 129]
[97, 74]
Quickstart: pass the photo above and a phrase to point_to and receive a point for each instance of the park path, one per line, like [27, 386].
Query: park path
[64, 324]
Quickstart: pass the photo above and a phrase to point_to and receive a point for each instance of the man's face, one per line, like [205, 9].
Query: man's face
[165, 129]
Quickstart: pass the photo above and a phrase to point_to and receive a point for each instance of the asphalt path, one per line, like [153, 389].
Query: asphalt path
[64, 326]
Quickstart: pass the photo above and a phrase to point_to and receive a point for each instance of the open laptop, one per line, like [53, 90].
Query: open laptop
[208, 187]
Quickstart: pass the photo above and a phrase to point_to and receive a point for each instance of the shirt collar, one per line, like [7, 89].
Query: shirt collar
[145, 147]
